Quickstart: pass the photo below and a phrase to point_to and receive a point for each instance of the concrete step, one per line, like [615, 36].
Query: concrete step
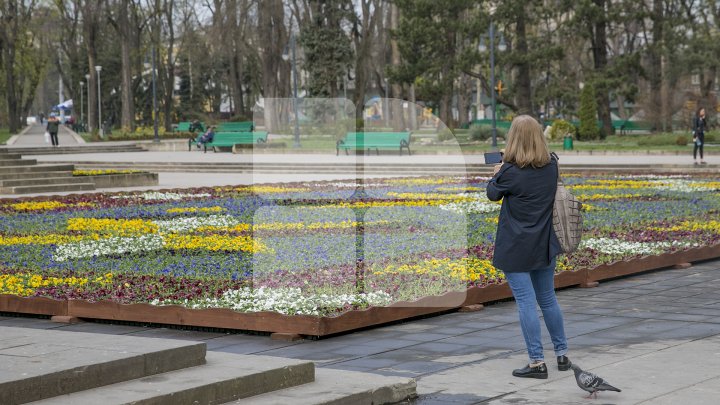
[34, 175]
[62, 150]
[339, 387]
[37, 364]
[63, 167]
[17, 162]
[9, 156]
[225, 377]
[42, 181]
[47, 188]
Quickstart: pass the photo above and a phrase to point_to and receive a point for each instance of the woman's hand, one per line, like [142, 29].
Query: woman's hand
[496, 168]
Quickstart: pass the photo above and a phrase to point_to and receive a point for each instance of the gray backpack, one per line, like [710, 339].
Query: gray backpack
[567, 219]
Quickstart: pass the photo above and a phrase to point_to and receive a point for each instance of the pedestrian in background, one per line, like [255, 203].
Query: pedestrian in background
[53, 126]
[699, 126]
[526, 244]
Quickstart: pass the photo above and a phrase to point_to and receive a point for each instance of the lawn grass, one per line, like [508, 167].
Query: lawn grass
[4, 135]
[614, 143]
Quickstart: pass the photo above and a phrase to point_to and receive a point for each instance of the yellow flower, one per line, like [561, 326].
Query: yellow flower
[270, 189]
[37, 205]
[465, 269]
[25, 284]
[47, 239]
[419, 181]
[110, 226]
[431, 196]
[215, 243]
[195, 209]
[102, 172]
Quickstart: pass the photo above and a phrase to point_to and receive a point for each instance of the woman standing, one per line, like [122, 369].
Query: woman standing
[526, 245]
[699, 126]
[52, 127]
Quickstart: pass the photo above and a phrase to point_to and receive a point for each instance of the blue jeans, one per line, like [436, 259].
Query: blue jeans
[538, 286]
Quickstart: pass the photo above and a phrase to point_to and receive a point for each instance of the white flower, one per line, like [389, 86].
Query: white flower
[621, 247]
[289, 301]
[109, 246]
[184, 224]
[155, 196]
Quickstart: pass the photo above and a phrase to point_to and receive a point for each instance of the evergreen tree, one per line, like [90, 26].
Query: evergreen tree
[328, 49]
[588, 113]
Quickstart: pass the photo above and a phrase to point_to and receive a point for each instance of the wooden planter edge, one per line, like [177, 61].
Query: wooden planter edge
[324, 326]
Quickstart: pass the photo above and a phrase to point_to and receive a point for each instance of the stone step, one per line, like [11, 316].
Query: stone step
[48, 188]
[37, 364]
[63, 150]
[42, 181]
[34, 175]
[224, 378]
[339, 387]
[10, 156]
[63, 167]
[17, 162]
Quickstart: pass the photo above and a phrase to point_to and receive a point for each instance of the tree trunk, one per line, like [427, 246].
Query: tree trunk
[127, 119]
[655, 67]
[169, 85]
[10, 28]
[463, 102]
[90, 26]
[523, 96]
[396, 105]
[273, 37]
[602, 93]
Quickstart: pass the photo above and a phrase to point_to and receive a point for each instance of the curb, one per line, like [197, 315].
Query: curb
[15, 137]
[79, 139]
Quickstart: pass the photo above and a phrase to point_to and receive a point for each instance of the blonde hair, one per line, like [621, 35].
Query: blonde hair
[526, 143]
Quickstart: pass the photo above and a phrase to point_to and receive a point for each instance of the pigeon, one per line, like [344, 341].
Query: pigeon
[590, 382]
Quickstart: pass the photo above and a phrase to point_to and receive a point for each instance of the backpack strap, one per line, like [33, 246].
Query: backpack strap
[557, 166]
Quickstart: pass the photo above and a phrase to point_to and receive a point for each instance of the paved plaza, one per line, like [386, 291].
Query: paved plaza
[655, 336]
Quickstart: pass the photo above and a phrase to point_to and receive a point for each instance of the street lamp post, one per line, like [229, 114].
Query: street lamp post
[386, 107]
[100, 125]
[501, 48]
[87, 81]
[82, 102]
[154, 85]
[285, 57]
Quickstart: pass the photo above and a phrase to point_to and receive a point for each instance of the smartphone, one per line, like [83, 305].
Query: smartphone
[493, 158]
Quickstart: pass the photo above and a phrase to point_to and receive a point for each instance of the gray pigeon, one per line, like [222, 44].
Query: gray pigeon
[590, 382]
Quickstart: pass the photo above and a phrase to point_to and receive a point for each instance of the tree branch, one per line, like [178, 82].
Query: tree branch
[486, 88]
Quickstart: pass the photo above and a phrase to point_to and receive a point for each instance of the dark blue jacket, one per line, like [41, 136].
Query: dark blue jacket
[699, 126]
[525, 238]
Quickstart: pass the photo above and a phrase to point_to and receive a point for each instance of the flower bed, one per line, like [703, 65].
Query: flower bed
[318, 254]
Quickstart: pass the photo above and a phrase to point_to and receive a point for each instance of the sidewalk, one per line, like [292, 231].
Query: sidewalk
[35, 136]
[655, 336]
[330, 158]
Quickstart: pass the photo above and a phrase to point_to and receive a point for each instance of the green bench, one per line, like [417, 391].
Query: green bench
[246, 126]
[488, 122]
[185, 127]
[374, 140]
[628, 126]
[231, 139]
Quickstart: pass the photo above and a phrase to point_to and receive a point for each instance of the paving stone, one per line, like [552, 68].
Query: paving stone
[178, 334]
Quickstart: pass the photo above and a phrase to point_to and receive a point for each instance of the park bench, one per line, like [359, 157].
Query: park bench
[488, 122]
[185, 127]
[628, 126]
[230, 139]
[246, 126]
[361, 141]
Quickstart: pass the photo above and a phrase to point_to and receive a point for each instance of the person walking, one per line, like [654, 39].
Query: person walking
[526, 244]
[699, 126]
[53, 126]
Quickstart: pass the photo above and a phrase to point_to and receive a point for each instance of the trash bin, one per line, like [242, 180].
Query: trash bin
[568, 142]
